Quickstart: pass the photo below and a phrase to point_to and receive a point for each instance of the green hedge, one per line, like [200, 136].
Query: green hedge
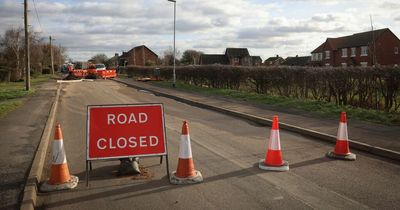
[372, 87]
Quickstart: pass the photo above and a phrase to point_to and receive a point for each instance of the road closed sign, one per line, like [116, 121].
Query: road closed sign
[116, 131]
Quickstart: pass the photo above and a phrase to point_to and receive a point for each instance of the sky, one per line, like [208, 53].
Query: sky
[266, 27]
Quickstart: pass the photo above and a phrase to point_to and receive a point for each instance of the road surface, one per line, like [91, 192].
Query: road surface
[226, 150]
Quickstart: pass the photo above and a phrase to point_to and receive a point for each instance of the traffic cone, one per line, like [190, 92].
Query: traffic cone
[273, 159]
[60, 179]
[185, 173]
[342, 150]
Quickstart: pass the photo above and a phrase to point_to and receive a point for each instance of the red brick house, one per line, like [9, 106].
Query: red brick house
[379, 47]
[232, 56]
[138, 56]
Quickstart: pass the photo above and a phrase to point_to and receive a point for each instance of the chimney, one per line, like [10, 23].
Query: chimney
[277, 56]
[297, 56]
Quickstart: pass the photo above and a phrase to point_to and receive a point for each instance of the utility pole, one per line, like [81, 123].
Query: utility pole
[51, 56]
[27, 55]
[59, 57]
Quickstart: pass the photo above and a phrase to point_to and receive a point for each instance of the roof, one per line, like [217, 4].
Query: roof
[355, 40]
[237, 52]
[208, 59]
[256, 58]
[272, 59]
[297, 61]
[124, 54]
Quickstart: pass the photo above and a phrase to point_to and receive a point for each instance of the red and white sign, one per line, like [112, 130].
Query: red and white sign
[116, 131]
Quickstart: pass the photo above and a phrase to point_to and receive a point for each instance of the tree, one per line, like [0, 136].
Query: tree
[12, 42]
[99, 58]
[191, 57]
[168, 57]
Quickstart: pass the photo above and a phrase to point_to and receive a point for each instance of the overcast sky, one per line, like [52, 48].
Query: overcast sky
[265, 27]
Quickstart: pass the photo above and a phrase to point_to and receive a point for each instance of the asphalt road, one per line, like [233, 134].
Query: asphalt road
[20, 133]
[226, 150]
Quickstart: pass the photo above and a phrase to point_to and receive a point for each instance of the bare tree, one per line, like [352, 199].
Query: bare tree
[168, 57]
[12, 43]
[191, 57]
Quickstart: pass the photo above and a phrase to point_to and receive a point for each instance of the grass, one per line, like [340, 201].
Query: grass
[12, 94]
[319, 108]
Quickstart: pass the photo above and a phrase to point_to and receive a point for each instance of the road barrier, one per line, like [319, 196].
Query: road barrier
[185, 172]
[60, 179]
[273, 159]
[342, 150]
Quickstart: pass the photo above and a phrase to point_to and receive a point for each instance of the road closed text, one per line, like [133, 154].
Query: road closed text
[116, 131]
[127, 142]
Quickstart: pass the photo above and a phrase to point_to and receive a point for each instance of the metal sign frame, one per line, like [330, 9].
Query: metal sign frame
[161, 155]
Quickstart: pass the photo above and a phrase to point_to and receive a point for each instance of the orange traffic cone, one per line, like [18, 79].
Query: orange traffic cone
[185, 173]
[60, 179]
[342, 150]
[273, 159]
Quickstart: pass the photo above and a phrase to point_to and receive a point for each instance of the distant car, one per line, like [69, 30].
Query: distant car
[100, 66]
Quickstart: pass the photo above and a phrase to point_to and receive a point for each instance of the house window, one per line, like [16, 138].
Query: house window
[344, 64]
[364, 51]
[320, 56]
[327, 54]
[236, 60]
[364, 64]
[327, 64]
[344, 52]
[353, 52]
[396, 50]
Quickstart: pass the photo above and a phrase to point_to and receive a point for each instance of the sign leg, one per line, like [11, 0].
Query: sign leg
[161, 157]
[166, 160]
[87, 173]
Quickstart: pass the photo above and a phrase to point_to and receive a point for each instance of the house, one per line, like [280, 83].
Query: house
[297, 61]
[138, 56]
[378, 47]
[232, 56]
[256, 60]
[274, 61]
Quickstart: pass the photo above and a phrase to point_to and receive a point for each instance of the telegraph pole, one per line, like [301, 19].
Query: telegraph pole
[27, 55]
[51, 57]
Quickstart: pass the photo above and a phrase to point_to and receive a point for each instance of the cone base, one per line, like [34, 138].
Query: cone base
[350, 156]
[189, 180]
[72, 183]
[263, 166]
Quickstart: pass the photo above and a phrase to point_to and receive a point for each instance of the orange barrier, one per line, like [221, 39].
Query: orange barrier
[273, 159]
[101, 73]
[185, 172]
[60, 178]
[342, 150]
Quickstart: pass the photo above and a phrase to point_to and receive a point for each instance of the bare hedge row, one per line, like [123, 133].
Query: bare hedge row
[374, 88]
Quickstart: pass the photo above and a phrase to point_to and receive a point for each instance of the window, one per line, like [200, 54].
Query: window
[364, 64]
[364, 51]
[344, 64]
[320, 56]
[396, 50]
[327, 64]
[312, 56]
[327, 54]
[353, 52]
[236, 60]
[344, 52]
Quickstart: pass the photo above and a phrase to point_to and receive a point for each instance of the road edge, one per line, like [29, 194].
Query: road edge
[378, 151]
[29, 200]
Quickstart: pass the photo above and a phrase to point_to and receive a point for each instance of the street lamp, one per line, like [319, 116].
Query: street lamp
[174, 75]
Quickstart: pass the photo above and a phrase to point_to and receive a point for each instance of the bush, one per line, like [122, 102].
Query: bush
[372, 87]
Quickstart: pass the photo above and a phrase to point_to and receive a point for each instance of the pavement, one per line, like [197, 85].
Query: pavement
[373, 134]
[21, 131]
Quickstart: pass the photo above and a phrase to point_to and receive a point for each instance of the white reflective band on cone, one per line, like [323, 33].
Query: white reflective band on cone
[274, 140]
[58, 152]
[185, 150]
[342, 132]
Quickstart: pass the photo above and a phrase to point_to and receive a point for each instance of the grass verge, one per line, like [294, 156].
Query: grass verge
[311, 106]
[12, 94]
